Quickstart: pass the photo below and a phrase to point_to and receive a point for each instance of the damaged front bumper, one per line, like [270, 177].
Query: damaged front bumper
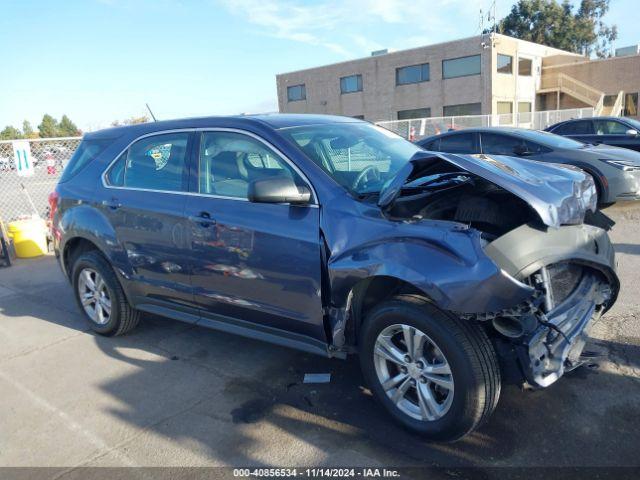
[573, 271]
[556, 345]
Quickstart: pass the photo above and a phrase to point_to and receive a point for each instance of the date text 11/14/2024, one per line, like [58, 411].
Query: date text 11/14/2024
[316, 472]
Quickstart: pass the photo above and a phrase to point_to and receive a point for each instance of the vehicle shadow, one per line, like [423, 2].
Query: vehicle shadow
[342, 420]
[628, 248]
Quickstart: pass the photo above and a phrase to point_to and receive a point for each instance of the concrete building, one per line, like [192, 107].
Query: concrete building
[487, 74]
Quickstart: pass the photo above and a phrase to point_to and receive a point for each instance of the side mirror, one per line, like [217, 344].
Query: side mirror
[521, 151]
[632, 132]
[278, 190]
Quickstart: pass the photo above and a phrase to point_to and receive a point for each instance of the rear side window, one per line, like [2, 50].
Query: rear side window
[158, 162]
[582, 127]
[494, 144]
[432, 145]
[87, 151]
[458, 143]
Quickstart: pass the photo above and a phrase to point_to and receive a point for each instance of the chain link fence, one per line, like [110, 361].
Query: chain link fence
[24, 196]
[418, 128]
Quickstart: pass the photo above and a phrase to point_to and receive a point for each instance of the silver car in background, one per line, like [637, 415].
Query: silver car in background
[616, 171]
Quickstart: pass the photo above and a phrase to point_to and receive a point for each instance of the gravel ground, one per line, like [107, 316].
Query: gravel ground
[171, 394]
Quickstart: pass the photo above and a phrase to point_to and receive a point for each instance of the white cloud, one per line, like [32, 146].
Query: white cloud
[337, 25]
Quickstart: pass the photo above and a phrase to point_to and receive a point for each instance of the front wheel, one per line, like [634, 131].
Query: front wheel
[435, 374]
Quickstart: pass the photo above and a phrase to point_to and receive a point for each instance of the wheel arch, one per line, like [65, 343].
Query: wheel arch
[75, 247]
[370, 291]
[86, 227]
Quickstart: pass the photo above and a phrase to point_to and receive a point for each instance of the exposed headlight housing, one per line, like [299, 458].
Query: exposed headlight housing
[625, 165]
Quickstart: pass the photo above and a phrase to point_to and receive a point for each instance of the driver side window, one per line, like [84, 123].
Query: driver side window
[610, 127]
[230, 161]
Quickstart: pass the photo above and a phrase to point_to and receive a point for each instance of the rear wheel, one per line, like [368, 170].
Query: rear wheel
[437, 375]
[100, 296]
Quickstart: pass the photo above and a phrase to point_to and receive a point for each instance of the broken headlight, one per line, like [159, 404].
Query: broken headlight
[572, 209]
[624, 165]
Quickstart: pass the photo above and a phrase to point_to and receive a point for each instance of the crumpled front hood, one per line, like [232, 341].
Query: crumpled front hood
[559, 194]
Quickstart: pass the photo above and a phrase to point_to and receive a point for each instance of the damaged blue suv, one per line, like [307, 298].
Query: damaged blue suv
[334, 236]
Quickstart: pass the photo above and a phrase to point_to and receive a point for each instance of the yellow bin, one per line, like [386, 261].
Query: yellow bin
[29, 237]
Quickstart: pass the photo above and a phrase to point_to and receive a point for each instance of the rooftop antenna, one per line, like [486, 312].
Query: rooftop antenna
[152, 115]
[491, 20]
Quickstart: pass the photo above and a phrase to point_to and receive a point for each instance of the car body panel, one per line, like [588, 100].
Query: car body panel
[257, 262]
[444, 260]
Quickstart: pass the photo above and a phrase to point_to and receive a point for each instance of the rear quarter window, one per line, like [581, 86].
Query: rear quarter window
[433, 145]
[86, 152]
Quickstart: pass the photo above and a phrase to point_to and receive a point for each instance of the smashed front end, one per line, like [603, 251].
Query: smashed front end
[572, 271]
[537, 224]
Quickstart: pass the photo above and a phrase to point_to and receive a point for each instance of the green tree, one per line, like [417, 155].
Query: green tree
[67, 128]
[557, 25]
[10, 133]
[48, 128]
[27, 130]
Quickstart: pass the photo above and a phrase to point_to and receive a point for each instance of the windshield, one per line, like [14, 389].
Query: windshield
[359, 156]
[550, 140]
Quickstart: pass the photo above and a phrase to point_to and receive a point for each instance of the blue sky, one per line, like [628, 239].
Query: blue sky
[101, 60]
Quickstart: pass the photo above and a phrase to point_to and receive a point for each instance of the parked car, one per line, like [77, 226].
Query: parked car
[6, 164]
[616, 171]
[336, 237]
[614, 131]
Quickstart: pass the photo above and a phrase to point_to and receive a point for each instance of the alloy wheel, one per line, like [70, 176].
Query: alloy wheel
[413, 372]
[94, 296]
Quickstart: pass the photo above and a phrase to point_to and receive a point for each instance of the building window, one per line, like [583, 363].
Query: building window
[525, 66]
[412, 74]
[296, 92]
[352, 83]
[505, 64]
[462, 109]
[524, 107]
[505, 107]
[461, 67]
[631, 105]
[414, 113]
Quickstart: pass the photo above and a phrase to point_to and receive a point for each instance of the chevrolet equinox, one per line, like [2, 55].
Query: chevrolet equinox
[334, 236]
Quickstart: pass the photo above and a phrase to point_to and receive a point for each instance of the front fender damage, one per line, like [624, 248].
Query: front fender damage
[540, 290]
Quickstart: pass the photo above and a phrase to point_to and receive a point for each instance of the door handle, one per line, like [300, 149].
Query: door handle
[203, 219]
[113, 204]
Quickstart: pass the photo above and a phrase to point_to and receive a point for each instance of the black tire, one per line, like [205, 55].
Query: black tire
[468, 351]
[123, 317]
